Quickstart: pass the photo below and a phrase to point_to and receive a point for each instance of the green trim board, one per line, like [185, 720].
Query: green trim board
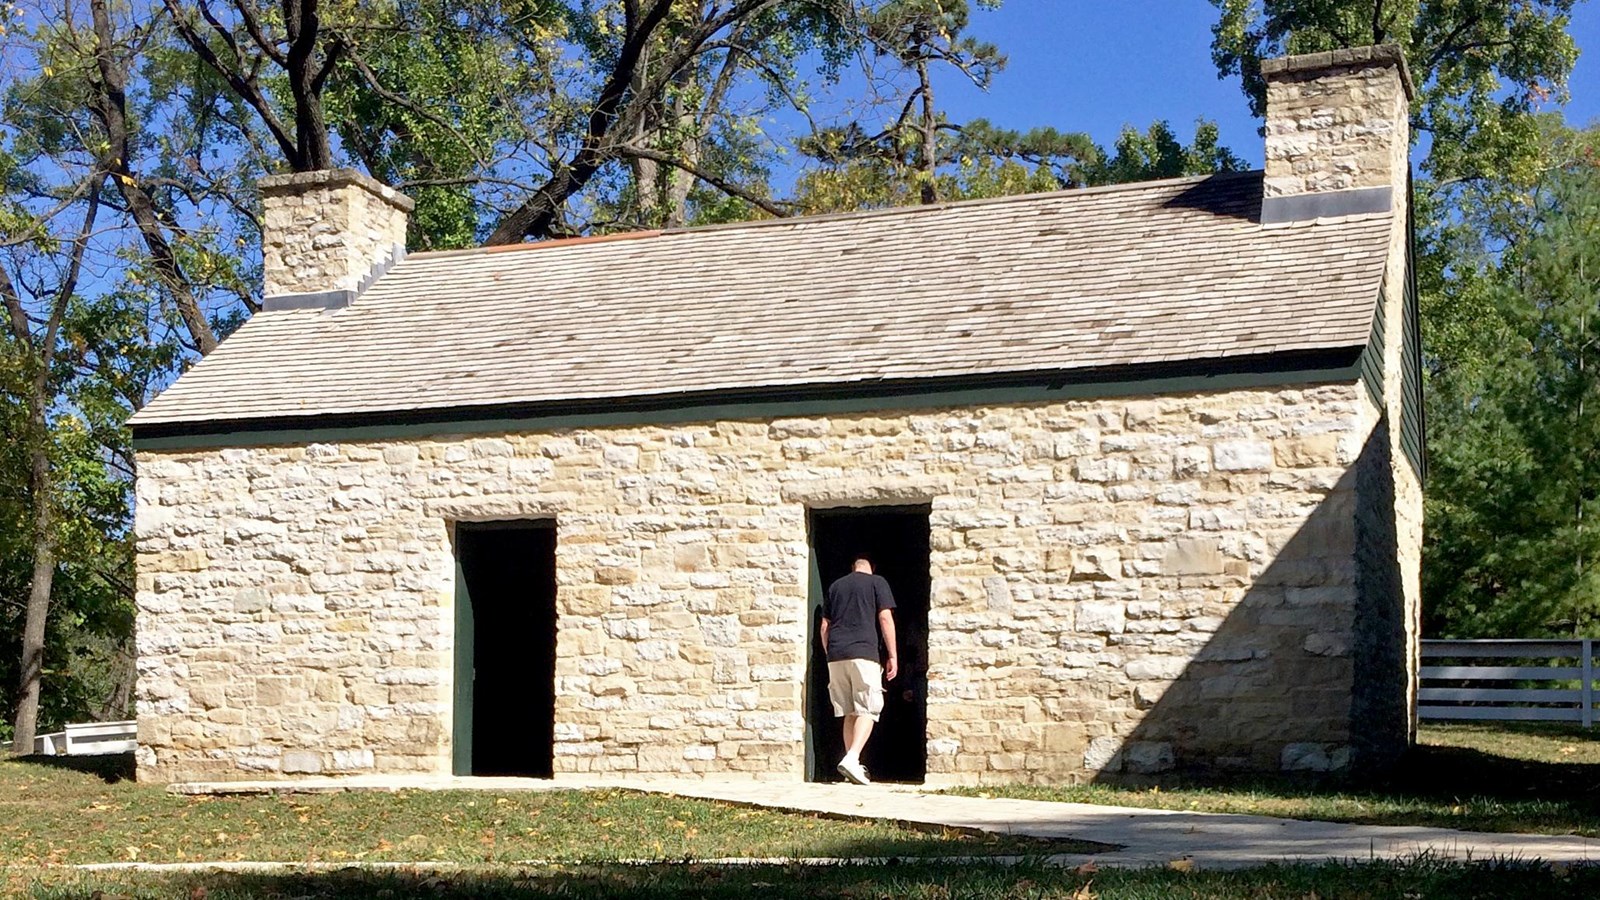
[1282, 370]
[1371, 363]
[814, 592]
[1413, 414]
[462, 677]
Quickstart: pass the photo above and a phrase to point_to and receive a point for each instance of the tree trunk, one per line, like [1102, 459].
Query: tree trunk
[44, 569]
[39, 481]
[930, 133]
[303, 27]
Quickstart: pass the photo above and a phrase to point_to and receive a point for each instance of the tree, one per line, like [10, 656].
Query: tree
[80, 349]
[1481, 66]
[1512, 539]
[918, 155]
[289, 40]
[36, 289]
[646, 51]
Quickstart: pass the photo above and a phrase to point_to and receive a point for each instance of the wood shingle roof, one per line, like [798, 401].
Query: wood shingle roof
[1132, 275]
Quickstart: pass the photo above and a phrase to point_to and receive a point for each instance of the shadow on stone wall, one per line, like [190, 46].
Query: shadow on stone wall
[1305, 675]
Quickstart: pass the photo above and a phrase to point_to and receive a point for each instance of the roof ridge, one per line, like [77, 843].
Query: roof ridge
[832, 217]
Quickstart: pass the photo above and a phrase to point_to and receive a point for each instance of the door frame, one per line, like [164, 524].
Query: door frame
[814, 596]
[464, 635]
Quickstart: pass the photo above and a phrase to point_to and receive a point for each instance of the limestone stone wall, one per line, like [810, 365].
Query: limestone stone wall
[1336, 121]
[1120, 586]
[326, 230]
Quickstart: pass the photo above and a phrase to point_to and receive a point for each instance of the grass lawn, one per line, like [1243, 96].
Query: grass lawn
[1528, 778]
[928, 881]
[1535, 778]
[51, 813]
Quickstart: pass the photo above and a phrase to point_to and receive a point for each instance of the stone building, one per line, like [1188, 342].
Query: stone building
[1142, 462]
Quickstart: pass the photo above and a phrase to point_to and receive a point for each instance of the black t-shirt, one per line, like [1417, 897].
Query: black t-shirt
[852, 613]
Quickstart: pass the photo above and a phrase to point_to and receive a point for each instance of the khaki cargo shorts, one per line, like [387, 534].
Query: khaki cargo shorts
[855, 688]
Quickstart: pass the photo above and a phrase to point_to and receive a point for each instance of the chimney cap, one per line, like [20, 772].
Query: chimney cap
[1376, 55]
[296, 182]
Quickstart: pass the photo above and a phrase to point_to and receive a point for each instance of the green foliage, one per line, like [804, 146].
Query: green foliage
[1157, 153]
[1515, 425]
[980, 160]
[454, 78]
[88, 666]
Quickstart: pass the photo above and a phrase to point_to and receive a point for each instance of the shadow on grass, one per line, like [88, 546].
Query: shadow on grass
[1444, 773]
[1421, 879]
[1491, 785]
[1434, 771]
[110, 768]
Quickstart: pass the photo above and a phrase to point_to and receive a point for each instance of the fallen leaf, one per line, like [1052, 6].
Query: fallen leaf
[199, 892]
[1088, 868]
[1181, 865]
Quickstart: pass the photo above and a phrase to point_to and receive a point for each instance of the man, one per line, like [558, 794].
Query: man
[855, 616]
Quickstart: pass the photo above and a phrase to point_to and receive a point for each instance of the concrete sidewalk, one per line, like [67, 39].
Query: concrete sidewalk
[1146, 836]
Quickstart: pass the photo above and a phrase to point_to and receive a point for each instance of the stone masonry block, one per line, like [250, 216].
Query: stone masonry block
[301, 762]
[1242, 456]
[1195, 556]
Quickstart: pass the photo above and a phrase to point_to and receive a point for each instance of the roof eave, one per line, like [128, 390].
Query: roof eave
[1319, 364]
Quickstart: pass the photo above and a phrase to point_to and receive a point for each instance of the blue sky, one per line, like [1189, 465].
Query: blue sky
[1095, 65]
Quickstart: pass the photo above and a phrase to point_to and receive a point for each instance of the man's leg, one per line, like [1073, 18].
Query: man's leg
[856, 731]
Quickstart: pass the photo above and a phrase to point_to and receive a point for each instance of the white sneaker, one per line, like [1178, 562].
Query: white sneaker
[853, 770]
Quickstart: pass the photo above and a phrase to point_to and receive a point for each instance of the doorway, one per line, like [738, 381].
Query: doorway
[505, 649]
[895, 538]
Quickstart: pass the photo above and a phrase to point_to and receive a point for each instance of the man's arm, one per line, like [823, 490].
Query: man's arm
[823, 632]
[886, 628]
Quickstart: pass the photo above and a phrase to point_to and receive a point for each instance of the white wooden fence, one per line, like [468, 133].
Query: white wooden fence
[1508, 681]
[89, 739]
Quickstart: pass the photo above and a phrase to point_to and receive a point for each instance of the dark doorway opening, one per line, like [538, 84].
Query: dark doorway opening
[895, 538]
[505, 648]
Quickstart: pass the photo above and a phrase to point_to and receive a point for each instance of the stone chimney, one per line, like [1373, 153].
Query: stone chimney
[326, 236]
[1338, 133]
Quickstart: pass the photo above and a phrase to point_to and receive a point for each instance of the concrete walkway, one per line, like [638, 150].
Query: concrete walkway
[1145, 836]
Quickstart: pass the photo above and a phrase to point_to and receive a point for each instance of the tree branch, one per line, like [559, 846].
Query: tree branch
[615, 110]
[252, 26]
[1447, 46]
[244, 86]
[404, 102]
[110, 106]
[720, 184]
